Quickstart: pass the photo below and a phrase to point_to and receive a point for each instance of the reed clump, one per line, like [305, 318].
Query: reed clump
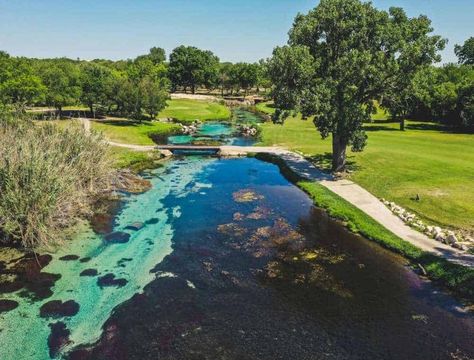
[49, 178]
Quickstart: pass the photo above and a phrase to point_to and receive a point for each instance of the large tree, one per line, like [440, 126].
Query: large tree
[418, 50]
[465, 52]
[192, 67]
[246, 75]
[94, 79]
[62, 80]
[18, 83]
[340, 57]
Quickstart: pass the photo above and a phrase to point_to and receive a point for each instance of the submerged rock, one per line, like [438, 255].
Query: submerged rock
[58, 338]
[57, 308]
[135, 226]
[85, 259]
[69, 258]
[117, 237]
[110, 280]
[152, 221]
[246, 195]
[89, 272]
[7, 305]
[25, 274]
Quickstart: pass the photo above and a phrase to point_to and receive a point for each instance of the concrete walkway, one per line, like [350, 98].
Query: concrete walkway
[348, 190]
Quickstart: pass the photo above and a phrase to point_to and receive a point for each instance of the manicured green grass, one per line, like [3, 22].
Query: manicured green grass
[189, 110]
[265, 107]
[132, 132]
[134, 160]
[425, 159]
[458, 278]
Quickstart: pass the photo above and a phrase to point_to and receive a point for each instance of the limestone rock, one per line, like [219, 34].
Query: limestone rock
[166, 153]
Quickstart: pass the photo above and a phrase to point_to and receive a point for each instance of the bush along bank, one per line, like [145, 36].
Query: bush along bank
[457, 278]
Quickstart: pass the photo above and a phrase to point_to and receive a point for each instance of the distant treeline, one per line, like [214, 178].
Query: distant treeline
[140, 87]
[133, 88]
[444, 94]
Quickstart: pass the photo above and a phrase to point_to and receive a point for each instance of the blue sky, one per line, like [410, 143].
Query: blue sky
[242, 30]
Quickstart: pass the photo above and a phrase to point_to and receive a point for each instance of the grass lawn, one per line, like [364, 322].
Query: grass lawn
[188, 110]
[134, 160]
[131, 132]
[425, 160]
[265, 107]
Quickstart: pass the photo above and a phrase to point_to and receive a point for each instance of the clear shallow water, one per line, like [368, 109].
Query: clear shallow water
[223, 132]
[131, 261]
[242, 267]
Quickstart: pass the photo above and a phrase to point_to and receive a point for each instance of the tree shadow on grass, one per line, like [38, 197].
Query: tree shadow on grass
[324, 162]
[379, 128]
[428, 126]
[380, 125]
[439, 127]
[124, 123]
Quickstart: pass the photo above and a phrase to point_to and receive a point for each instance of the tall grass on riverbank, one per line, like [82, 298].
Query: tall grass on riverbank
[48, 178]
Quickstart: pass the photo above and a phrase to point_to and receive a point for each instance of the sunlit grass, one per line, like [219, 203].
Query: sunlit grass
[425, 159]
[188, 110]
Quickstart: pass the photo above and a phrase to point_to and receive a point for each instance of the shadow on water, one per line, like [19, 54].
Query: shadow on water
[257, 272]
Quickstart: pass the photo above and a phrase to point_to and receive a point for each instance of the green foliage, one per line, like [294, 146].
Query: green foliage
[465, 52]
[62, 80]
[192, 67]
[445, 94]
[341, 56]
[48, 178]
[244, 75]
[398, 165]
[18, 83]
[94, 79]
[420, 50]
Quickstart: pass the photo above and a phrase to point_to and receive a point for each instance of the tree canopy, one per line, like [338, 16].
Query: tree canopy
[190, 67]
[465, 52]
[340, 57]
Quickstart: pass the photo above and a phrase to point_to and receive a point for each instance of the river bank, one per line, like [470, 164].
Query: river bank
[458, 278]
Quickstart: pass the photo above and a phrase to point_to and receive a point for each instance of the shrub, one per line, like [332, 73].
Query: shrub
[48, 178]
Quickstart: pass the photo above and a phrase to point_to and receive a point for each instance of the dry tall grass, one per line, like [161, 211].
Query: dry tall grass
[48, 179]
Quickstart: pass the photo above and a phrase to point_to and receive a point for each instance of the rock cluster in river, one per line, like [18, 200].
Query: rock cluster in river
[248, 130]
[190, 129]
[449, 237]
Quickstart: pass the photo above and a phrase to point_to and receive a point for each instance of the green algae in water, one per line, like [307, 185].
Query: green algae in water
[25, 334]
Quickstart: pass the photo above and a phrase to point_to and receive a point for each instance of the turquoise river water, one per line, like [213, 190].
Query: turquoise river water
[228, 261]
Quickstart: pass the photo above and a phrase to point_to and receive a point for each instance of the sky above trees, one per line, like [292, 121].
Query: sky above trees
[244, 30]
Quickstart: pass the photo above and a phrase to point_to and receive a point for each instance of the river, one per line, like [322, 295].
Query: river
[225, 259]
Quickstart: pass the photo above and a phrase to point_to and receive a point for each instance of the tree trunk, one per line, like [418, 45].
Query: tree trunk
[193, 89]
[402, 124]
[91, 107]
[338, 153]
